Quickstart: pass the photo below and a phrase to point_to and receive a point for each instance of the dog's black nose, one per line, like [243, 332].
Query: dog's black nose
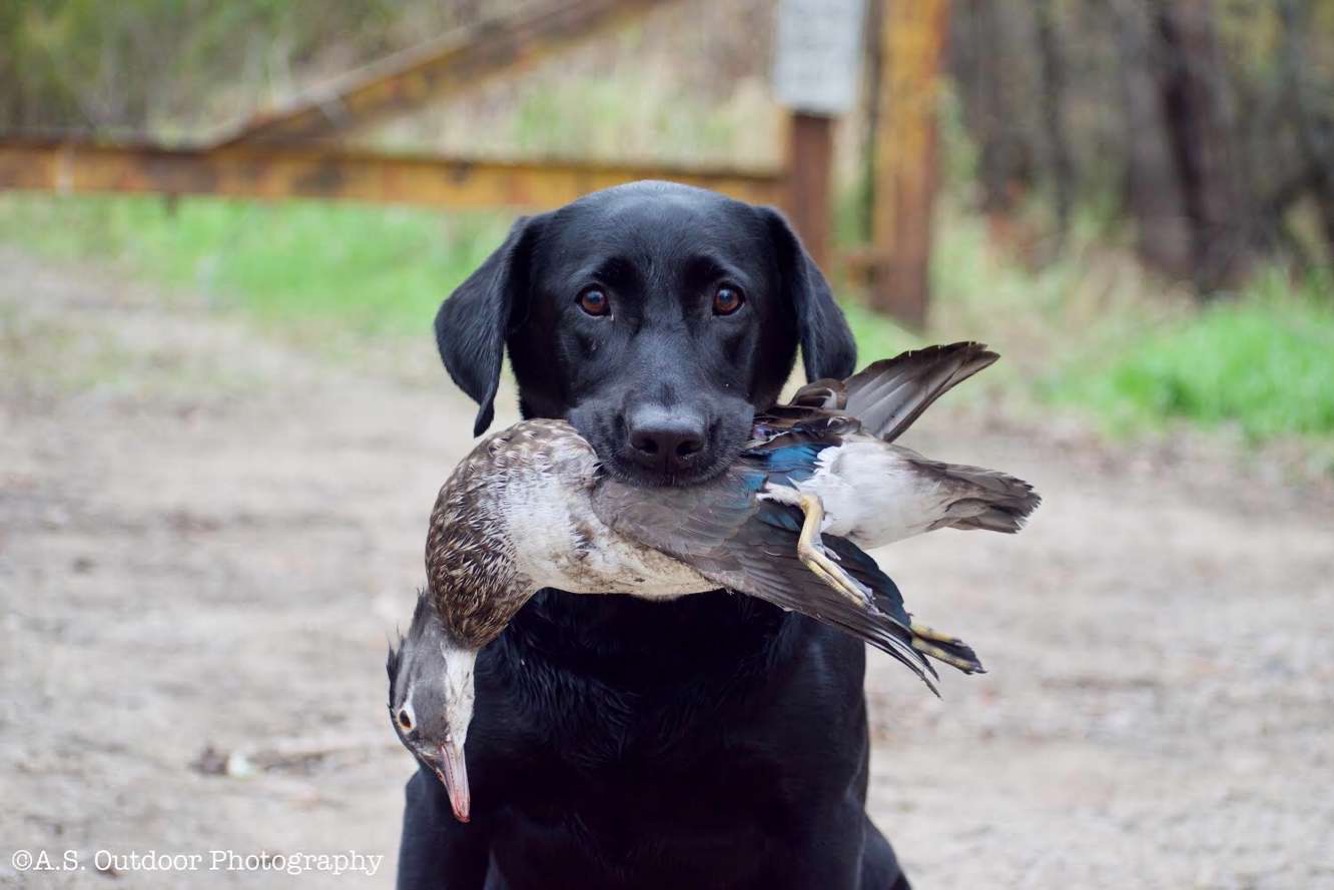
[662, 440]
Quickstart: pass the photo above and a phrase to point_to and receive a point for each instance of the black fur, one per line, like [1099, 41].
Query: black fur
[712, 742]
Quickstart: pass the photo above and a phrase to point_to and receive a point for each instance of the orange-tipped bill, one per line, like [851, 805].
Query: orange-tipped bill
[453, 773]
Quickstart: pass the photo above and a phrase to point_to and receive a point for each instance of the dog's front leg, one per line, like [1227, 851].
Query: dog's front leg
[438, 852]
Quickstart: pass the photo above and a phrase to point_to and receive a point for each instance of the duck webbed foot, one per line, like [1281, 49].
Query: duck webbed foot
[945, 647]
[811, 552]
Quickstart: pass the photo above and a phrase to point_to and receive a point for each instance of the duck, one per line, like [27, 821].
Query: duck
[819, 480]
[835, 440]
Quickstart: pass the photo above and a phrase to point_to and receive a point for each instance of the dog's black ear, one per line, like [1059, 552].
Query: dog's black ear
[827, 346]
[471, 326]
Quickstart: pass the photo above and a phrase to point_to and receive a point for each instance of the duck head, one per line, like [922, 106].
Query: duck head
[474, 589]
[431, 696]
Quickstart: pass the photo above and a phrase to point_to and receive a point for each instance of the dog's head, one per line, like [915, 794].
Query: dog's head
[654, 316]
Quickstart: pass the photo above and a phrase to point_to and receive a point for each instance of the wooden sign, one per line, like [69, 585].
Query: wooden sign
[818, 54]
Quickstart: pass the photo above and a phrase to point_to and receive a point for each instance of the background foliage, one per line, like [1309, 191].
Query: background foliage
[1138, 203]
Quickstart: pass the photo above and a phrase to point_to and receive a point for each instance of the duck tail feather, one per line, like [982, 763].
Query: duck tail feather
[993, 519]
[945, 648]
[896, 641]
[889, 395]
[987, 499]
[953, 651]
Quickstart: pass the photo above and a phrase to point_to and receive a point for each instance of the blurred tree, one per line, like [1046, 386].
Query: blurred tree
[1195, 104]
[1207, 124]
[1212, 119]
[1053, 114]
[1313, 120]
[1155, 195]
[989, 55]
[168, 67]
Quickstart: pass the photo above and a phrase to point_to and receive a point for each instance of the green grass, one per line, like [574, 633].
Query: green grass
[1085, 332]
[877, 336]
[1263, 363]
[370, 270]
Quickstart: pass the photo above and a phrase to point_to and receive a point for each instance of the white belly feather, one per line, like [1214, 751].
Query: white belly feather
[901, 502]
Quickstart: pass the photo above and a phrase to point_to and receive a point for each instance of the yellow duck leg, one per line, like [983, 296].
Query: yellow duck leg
[811, 552]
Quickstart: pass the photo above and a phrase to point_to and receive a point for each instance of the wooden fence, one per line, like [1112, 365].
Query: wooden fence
[298, 150]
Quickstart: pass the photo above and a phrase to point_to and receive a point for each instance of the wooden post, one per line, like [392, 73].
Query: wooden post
[809, 162]
[912, 42]
[816, 49]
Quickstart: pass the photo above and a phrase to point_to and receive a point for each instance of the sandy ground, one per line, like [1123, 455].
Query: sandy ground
[205, 537]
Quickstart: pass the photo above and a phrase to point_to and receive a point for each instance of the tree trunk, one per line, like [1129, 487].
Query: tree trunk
[1194, 212]
[906, 158]
[1194, 89]
[1315, 132]
[1154, 193]
[1053, 100]
[985, 59]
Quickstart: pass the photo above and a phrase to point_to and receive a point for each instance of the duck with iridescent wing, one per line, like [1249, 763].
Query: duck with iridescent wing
[830, 451]
[531, 507]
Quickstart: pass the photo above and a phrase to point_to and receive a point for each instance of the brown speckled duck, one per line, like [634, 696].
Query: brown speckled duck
[531, 507]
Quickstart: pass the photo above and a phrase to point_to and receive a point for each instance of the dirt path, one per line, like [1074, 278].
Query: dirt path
[205, 536]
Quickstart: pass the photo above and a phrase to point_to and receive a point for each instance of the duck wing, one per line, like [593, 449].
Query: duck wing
[724, 531]
[888, 395]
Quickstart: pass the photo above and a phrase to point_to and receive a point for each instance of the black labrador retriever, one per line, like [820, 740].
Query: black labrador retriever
[712, 742]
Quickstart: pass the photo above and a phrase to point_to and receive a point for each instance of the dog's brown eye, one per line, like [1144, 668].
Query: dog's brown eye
[594, 301]
[404, 721]
[727, 299]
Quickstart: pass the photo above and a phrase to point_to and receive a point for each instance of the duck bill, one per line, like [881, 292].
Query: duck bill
[453, 773]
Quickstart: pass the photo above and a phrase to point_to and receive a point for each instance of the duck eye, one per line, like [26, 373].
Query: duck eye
[404, 721]
[594, 301]
[727, 299]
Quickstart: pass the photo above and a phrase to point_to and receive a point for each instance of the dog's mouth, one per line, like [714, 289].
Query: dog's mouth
[629, 471]
[724, 442]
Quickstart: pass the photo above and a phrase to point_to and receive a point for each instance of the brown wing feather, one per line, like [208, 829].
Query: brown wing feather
[713, 528]
[888, 395]
[883, 399]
